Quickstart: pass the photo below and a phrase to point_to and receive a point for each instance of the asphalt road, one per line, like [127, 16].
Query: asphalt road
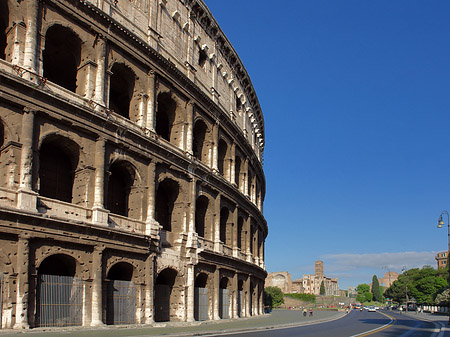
[356, 324]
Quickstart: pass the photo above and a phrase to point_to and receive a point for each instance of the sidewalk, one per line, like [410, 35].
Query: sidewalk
[442, 320]
[276, 318]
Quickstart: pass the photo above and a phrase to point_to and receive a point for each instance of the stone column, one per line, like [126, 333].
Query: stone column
[216, 236]
[235, 296]
[235, 232]
[23, 256]
[97, 281]
[216, 301]
[26, 197]
[191, 209]
[152, 226]
[150, 123]
[101, 61]
[30, 49]
[215, 144]
[247, 296]
[99, 213]
[232, 165]
[246, 182]
[143, 98]
[190, 293]
[149, 288]
[189, 128]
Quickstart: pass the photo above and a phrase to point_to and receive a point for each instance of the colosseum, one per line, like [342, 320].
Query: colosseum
[131, 177]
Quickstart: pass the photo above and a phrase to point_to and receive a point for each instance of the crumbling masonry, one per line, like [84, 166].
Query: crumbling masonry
[131, 179]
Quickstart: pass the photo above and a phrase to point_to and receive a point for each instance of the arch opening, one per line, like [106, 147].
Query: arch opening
[168, 293]
[4, 21]
[166, 195]
[122, 83]
[200, 215]
[165, 116]
[119, 186]
[201, 298]
[61, 56]
[224, 214]
[198, 144]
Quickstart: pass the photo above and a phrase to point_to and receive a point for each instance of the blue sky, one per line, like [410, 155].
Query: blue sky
[355, 96]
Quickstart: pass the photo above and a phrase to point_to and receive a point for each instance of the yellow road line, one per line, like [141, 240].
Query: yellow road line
[377, 329]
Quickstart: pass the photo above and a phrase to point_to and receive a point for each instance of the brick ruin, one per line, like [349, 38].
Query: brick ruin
[131, 179]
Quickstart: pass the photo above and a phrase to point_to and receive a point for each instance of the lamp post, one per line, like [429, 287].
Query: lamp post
[440, 224]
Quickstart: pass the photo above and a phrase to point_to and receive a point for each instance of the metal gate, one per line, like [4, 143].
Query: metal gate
[239, 303]
[201, 304]
[1, 299]
[224, 303]
[59, 300]
[162, 302]
[121, 302]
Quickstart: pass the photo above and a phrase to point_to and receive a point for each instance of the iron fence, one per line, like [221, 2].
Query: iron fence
[59, 301]
[121, 302]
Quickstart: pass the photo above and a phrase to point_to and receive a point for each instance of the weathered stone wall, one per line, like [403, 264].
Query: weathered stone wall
[102, 165]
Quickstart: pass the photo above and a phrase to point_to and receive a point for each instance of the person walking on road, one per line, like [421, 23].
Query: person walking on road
[310, 312]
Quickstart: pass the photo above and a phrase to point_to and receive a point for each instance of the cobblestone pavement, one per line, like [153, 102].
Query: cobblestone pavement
[276, 318]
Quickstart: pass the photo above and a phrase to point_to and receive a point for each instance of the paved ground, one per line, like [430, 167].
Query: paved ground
[276, 318]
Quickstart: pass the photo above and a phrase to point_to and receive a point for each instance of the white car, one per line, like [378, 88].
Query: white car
[372, 308]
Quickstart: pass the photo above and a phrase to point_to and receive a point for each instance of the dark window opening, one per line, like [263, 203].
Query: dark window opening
[200, 214]
[223, 283]
[61, 56]
[56, 173]
[59, 264]
[165, 115]
[121, 271]
[119, 187]
[2, 135]
[166, 195]
[239, 231]
[4, 17]
[202, 57]
[237, 171]
[199, 139]
[224, 213]
[223, 148]
[201, 280]
[238, 103]
[121, 89]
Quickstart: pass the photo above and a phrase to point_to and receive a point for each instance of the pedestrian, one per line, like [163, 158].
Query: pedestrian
[305, 312]
[310, 312]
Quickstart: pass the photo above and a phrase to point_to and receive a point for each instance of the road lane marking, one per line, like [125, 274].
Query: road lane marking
[370, 332]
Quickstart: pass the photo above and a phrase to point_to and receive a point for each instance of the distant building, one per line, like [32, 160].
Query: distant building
[388, 279]
[282, 280]
[441, 259]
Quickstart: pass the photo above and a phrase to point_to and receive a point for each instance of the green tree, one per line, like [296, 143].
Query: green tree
[421, 284]
[362, 288]
[273, 297]
[376, 288]
[322, 288]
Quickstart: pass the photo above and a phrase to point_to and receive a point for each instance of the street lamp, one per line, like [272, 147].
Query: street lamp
[440, 224]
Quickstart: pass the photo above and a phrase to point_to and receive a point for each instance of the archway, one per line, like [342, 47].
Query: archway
[201, 207]
[58, 159]
[119, 186]
[224, 299]
[59, 293]
[201, 302]
[61, 56]
[168, 292]
[121, 295]
[121, 89]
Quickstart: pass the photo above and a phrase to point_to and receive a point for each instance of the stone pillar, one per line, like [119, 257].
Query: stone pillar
[235, 233]
[26, 197]
[149, 288]
[232, 165]
[30, 49]
[246, 182]
[99, 213]
[97, 281]
[189, 129]
[216, 301]
[215, 144]
[150, 123]
[143, 98]
[152, 226]
[247, 296]
[23, 256]
[191, 209]
[99, 96]
[234, 312]
[216, 236]
[190, 293]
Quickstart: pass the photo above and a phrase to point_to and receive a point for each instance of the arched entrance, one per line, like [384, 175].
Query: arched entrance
[240, 299]
[224, 299]
[121, 295]
[201, 303]
[164, 295]
[59, 295]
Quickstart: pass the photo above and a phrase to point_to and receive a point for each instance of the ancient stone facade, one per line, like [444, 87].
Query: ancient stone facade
[131, 179]
[282, 280]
